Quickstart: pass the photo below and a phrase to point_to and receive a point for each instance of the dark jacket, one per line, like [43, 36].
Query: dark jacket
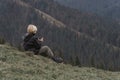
[31, 43]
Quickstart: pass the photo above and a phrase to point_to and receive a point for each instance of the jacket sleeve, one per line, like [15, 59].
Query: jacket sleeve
[37, 43]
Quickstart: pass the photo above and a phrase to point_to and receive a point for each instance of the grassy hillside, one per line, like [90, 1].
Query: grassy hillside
[16, 65]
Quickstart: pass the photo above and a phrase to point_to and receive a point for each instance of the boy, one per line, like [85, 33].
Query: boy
[32, 43]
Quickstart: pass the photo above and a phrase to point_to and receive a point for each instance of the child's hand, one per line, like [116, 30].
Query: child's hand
[42, 39]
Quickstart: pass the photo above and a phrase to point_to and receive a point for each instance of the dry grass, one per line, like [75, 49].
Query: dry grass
[15, 65]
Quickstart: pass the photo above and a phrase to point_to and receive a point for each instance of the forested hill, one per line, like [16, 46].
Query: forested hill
[91, 6]
[106, 8]
[92, 25]
[81, 39]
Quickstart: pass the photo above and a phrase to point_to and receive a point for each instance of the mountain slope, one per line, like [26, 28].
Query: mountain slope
[17, 65]
[91, 6]
[92, 25]
[77, 48]
[22, 14]
[107, 8]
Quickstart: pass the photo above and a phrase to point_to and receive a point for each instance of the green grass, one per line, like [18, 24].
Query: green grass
[16, 65]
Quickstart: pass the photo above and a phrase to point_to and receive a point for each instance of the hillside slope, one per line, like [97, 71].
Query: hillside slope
[70, 44]
[97, 27]
[15, 65]
[109, 8]
[91, 6]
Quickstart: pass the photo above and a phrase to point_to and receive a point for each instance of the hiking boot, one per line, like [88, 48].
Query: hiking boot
[57, 60]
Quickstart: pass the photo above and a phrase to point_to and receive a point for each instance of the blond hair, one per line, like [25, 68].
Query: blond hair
[31, 29]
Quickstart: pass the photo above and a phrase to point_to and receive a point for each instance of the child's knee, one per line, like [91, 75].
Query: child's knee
[46, 47]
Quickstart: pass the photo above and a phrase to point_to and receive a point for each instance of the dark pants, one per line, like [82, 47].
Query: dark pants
[46, 51]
